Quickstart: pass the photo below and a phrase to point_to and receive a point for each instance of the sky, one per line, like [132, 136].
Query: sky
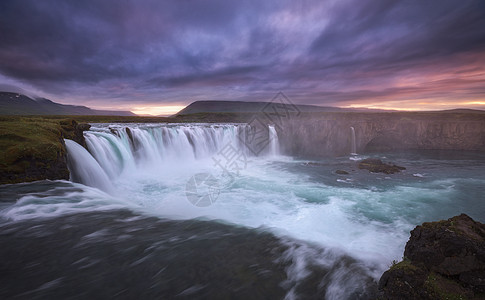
[156, 56]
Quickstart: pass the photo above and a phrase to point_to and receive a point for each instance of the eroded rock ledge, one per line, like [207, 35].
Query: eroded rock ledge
[33, 148]
[442, 260]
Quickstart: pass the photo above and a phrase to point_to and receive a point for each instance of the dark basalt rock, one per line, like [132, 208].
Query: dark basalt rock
[377, 166]
[72, 130]
[443, 260]
[114, 131]
[342, 172]
[32, 169]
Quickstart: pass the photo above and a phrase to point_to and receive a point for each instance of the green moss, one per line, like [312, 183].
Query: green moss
[444, 288]
[436, 224]
[405, 264]
[27, 140]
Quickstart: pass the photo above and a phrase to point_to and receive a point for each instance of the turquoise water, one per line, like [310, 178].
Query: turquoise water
[315, 232]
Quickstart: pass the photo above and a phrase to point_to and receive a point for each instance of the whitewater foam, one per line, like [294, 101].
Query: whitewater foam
[149, 167]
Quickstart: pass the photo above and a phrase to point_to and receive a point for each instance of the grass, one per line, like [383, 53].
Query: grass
[31, 143]
[34, 137]
[405, 264]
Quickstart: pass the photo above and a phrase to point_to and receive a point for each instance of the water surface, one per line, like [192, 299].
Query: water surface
[275, 226]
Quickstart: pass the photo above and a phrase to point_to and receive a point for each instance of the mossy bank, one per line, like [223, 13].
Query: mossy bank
[32, 148]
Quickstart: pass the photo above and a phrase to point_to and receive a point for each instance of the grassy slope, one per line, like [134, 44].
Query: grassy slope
[33, 136]
[18, 104]
[31, 148]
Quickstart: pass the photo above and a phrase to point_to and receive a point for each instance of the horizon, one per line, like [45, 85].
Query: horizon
[155, 58]
[168, 111]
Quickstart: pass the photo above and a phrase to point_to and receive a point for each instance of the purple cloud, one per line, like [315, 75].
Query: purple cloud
[318, 52]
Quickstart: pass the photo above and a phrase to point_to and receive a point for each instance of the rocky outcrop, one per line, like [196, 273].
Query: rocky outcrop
[72, 130]
[342, 172]
[442, 260]
[329, 134]
[377, 166]
[34, 148]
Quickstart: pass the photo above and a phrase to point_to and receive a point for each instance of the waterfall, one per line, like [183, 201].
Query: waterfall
[142, 149]
[353, 149]
[84, 168]
[274, 147]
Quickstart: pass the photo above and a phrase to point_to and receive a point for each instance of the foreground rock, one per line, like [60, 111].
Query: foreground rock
[442, 260]
[377, 166]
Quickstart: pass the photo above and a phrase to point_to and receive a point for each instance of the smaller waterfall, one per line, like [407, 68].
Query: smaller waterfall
[353, 148]
[274, 145]
[85, 169]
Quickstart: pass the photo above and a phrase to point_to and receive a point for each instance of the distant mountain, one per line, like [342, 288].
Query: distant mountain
[464, 111]
[252, 107]
[18, 104]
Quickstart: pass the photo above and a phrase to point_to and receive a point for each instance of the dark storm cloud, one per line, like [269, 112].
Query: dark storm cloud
[94, 40]
[395, 35]
[320, 52]
[231, 75]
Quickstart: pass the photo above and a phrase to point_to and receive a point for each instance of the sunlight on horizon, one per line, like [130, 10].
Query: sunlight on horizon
[420, 106]
[145, 110]
[405, 105]
[165, 110]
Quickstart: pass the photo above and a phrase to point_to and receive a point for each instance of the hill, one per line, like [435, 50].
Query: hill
[18, 104]
[213, 106]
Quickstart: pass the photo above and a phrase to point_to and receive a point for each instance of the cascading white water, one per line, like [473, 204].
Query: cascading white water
[152, 148]
[353, 147]
[274, 147]
[85, 169]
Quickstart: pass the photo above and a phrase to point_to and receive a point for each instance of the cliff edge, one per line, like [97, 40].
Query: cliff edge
[33, 148]
[331, 134]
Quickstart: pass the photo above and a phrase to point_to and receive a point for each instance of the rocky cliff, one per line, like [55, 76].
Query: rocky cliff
[442, 260]
[33, 148]
[329, 134]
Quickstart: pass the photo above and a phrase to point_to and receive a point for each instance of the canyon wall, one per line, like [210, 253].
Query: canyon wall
[329, 134]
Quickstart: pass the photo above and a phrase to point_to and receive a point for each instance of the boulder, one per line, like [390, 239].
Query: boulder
[377, 166]
[442, 260]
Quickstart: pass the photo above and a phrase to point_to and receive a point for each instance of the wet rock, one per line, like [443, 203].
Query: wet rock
[443, 260]
[72, 130]
[377, 166]
[79, 133]
[114, 131]
[342, 172]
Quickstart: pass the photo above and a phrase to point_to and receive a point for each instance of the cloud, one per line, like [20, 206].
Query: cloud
[319, 52]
